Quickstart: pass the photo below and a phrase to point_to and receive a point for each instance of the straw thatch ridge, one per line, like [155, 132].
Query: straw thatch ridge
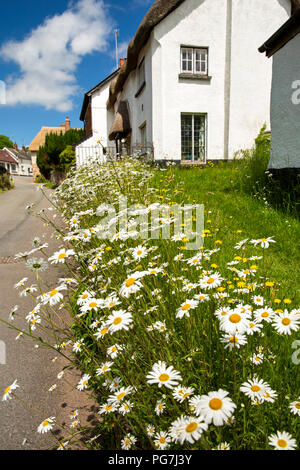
[159, 10]
[121, 125]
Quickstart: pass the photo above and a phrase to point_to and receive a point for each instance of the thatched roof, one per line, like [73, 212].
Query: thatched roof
[121, 125]
[159, 10]
[40, 138]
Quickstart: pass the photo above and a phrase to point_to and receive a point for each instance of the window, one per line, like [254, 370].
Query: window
[141, 75]
[143, 130]
[193, 137]
[194, 61]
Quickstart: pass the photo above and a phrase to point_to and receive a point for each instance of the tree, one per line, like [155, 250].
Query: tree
[5, 142]
[48, 156]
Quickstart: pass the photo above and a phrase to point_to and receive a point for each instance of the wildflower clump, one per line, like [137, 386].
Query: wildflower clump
[180, 349]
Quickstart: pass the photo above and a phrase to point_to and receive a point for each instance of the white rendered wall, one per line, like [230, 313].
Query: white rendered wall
[285, 107]
[253, 22]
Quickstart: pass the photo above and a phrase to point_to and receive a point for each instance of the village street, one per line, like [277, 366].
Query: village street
[31, 366]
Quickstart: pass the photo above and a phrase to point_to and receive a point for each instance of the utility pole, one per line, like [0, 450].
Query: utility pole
[117, 55]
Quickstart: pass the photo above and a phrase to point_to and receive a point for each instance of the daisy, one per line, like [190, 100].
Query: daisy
[105, 367]
[114, 384]
[53, 387]
[83, 382]
[234, 323]
[266, 314]
[201, 297]
[139, 252]
[62, 445]
[77, 345]
[257, 359]
[60, 256]
[119, 320]
[125, 407]
[84, 297]
[107, 408]
[101, 331]
[263, 242]
[184, 309]
[118, 396]
[182, 393]
[162, 440]
[241, 244]
[270, 395]
[163, 375]
[74, 414]
[285, 323]
[111, 301]
[21, 283]
[128, 442]
[254, 327]
[295, 407]
[187, 428]
[60, 374]
[211, 281]
[114, 350]
[37, 264]
[75, 423]
[53, 297]
[255, 389]
[223, 446]
[216, 407]
[8, 391]
[223, 312]
[159, 407]
[132, 284]
[282, 441]
[258, 300]
[150, 430]
[91, 304]
[234, 341]
[46, 425]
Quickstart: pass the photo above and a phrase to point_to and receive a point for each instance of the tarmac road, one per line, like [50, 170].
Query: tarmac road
[33, 368]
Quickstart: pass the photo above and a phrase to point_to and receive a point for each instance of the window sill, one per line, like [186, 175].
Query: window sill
[195, 76]
[140, 89]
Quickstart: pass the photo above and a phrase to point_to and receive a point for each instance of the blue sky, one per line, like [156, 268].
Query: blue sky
[52, 52]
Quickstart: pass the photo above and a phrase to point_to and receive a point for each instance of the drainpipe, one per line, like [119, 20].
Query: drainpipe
[227, 84]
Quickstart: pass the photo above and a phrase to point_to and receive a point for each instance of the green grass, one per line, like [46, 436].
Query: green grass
[232, 210]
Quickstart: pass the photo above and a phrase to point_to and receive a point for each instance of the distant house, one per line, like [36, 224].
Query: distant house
[39, 141]
[193, 87]
[17, 162]
[9, 162]
[284, 47]
[94, 116]
[24, 166]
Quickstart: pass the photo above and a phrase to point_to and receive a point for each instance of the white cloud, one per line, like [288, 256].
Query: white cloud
[49, 56]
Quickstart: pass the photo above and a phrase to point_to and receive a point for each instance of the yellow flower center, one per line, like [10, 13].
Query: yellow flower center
[286, 321]
[210, 280]
[45, 423]
[139, 252]
[62, 256]
[92, 305]
[215, 404]
[114, 349]
[53, 292]
[162, 440]
[85, 296]
[282, 443]
[163, 377]
[265, 314]
[186, 307]
[117, 321]
[233, 339]
[104, 331]
[297, 406]
[130, 282]
[235, 318]
[255, 388]
[6, 390]
[105, 368]
[121, 395]
[127, 442]
[191, 427]
[108, 407]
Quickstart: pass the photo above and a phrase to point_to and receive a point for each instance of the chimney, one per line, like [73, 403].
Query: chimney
[16, 146]
[68, 124]
[23, 148]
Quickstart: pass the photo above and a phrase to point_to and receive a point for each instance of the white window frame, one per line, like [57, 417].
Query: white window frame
[193, 135]
[194, 51]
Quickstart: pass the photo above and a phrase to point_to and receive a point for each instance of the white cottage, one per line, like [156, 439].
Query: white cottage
[284, 47]
[194, 87]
